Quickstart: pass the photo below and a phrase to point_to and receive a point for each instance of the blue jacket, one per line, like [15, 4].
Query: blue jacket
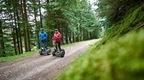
[43, 36]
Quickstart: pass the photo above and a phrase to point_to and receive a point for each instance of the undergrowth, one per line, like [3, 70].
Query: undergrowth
[120, 59]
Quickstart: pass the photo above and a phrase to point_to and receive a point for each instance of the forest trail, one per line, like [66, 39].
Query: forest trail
[43, 67]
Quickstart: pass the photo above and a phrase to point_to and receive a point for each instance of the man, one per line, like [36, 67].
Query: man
[43, 37]
[57, 37]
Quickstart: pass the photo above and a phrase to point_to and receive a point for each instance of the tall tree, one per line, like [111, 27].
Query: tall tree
[2, 51]
[17, 25]
[26, 26]
[41, 23]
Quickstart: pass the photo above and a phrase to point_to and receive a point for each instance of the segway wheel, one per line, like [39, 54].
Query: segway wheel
[40, 52]
[48, 52]
[62, 53]
[53, 53]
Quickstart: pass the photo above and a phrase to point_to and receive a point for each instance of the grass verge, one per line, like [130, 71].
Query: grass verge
[118, 59]
[16, 57]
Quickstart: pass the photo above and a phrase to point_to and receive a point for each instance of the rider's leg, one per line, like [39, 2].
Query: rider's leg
[46, 44]
[41, 43]
[59, 46]
[56, 46]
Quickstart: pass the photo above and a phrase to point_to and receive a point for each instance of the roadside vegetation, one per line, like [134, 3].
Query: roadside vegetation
[120, 53]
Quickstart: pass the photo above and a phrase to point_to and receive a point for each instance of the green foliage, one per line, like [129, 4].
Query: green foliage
[22, 20]
[133, 20]
[76, 14]
[81, 14]
[114, 11]
[120, 59]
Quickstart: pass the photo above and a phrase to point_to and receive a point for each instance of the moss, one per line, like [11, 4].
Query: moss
[119, 59]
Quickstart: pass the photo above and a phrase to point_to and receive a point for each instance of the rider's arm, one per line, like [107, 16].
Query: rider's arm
[46, 35]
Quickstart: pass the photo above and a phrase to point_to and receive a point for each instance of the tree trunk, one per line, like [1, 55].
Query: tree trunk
[91, 35]
[19, 26]
[41, 24]
[16, 22]
[66, 35]
[77, 35]
[50, 39]
[20, 36]
[26, 27]
[2, 52]
[14, 40]
[73, 37]
[87, 33]
[84, 34]
[70, 39]
[17, 37]
[80, 37]
[62, 31]
[37, 27]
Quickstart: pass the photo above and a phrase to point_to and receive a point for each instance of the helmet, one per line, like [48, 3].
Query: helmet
[56, 29]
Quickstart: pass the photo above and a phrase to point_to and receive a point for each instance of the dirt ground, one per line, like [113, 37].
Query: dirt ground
[42, 67]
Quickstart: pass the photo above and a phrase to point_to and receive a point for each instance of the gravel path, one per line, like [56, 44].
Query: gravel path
[42, 67]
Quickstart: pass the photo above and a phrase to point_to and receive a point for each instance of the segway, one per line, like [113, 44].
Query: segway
[44, 51]
[58, 53]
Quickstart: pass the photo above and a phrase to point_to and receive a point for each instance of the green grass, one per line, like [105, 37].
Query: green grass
[16, 57]
[118, 59]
